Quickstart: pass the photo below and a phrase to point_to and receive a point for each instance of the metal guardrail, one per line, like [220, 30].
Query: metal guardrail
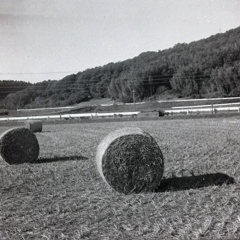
[209, 105]
[70, 116]
[119, 114]
[41, 109]
[201, 99]
[199, 110]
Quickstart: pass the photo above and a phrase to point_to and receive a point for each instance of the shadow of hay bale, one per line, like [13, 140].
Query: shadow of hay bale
[194, 182]
[59, 159]
[48, 131]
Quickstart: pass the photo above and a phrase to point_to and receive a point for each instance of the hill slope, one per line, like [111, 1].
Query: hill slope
[10, 86]
[206, 68]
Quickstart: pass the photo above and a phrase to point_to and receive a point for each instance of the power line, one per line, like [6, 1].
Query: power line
[135, 78]
[32, 73]
[154, 79]
[66, 87]
[58, 86]
[71, 72]
[90, 83]
[80, 86]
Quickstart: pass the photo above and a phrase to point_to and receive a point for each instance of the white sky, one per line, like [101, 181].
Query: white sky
[61, 37]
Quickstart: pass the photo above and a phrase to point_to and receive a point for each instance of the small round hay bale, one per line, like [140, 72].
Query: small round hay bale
[34, 126]
[130, 160]
[19, 145]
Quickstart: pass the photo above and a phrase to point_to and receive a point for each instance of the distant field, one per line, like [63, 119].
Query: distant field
[151, 106]
[94, 106]
[62, 196]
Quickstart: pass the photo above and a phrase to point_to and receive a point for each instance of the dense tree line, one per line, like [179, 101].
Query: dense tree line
[10, 86]
[206, 68]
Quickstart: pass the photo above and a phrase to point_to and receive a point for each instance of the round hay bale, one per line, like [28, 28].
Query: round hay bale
[34, 126]
[130, 160]
[19, 145]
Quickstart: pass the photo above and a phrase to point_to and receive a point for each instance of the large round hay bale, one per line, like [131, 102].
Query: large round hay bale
[19, 145]
[34, 126]
[130, 160]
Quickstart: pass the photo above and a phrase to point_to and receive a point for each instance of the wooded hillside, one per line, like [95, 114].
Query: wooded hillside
[10, 86]
[206, 68]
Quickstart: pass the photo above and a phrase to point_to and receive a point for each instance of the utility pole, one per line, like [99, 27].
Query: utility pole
[134, 98]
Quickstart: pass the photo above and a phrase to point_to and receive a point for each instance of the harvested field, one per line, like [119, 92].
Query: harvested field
[62, 196]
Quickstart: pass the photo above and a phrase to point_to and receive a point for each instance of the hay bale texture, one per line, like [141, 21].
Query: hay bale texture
[130, 160]
[34, 126]
[19, 145]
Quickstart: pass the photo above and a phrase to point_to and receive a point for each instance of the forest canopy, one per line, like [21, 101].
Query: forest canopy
[10, 86]
[206, 68]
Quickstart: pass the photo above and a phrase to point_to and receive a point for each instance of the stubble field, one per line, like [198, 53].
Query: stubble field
[61, 196]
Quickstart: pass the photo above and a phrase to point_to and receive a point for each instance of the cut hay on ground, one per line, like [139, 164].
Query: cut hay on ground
[19, 145]
[130, 160]
[34, 126]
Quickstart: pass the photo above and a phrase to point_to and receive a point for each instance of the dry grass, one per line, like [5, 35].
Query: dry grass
[68, 199]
